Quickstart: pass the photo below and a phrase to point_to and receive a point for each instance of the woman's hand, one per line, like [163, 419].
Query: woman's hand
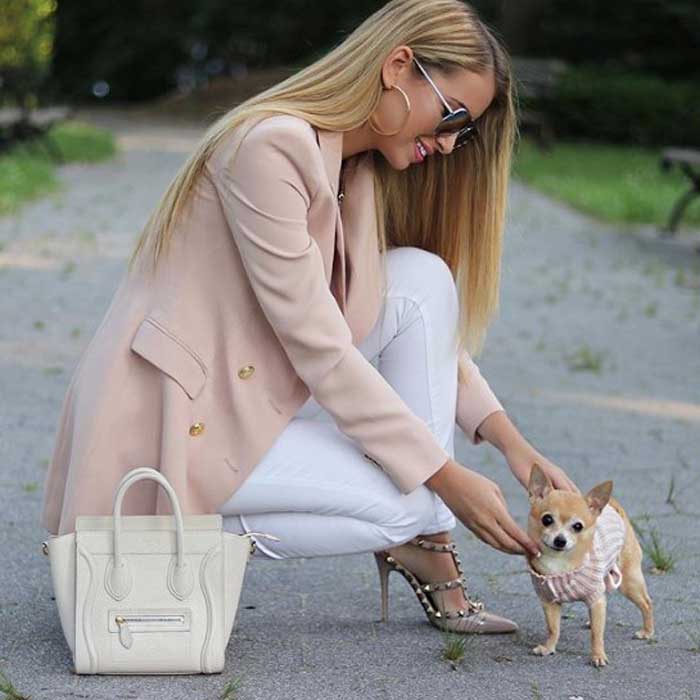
[521, 460]
[480, 505]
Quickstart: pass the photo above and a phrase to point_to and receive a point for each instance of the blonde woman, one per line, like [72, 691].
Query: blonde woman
[292, 342]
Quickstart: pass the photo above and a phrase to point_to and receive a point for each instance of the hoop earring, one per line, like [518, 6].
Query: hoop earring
[408, 111]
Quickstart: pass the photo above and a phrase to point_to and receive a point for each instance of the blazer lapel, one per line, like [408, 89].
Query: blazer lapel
[358, 276]
[331, 145]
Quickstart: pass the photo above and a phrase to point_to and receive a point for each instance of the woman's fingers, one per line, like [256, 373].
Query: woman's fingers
[565, 483]
[516, 535]
[510, 533]
[485, 536]
[505, 543]
[494, 534]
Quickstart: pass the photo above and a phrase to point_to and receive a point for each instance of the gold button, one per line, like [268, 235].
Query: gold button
[245, 372]
[196, 428]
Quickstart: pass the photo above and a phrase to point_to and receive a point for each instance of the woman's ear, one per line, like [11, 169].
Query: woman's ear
[395, 65]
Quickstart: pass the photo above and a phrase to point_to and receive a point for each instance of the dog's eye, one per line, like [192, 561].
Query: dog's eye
[577, 526]
[547, 520]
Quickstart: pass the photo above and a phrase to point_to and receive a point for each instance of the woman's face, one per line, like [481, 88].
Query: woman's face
[473, 90]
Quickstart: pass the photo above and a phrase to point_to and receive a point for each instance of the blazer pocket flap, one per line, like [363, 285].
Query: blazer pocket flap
[168, 353]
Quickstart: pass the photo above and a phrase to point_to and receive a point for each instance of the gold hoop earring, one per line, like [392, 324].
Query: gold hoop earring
[408, 111]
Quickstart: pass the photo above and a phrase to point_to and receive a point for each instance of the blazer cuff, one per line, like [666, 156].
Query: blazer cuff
[475, 402]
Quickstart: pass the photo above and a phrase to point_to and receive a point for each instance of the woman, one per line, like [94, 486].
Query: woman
[297, 370]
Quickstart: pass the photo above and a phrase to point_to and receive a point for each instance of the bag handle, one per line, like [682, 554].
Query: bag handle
[118, 575]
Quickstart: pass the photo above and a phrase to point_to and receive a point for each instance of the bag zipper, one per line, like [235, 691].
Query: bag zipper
[125, 635]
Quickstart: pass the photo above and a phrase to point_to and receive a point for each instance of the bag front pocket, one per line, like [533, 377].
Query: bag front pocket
[130, 624]
[151, 641]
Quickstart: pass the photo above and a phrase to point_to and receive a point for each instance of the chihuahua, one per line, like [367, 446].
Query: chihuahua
[588, 548]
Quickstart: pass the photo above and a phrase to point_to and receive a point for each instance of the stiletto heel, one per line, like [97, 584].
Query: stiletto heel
[474, 619]
[384, 570]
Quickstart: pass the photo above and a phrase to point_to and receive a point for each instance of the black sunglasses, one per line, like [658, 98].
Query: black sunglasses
[453, 120]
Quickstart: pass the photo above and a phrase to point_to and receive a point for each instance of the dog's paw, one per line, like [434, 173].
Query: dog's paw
[542, 650]
[599, 659]
[643, 634]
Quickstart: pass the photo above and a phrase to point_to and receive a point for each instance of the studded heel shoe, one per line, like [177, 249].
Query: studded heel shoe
[472, 620]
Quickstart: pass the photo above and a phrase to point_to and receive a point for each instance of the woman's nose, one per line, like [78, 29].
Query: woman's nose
[446, 143]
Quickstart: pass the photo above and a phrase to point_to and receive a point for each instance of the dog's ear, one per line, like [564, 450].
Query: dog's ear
[539, 484]
[598, 497]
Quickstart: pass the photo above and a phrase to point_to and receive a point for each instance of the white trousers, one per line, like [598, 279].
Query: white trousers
[313, 488]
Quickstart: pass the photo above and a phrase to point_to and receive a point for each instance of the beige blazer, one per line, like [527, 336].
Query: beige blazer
[260, 302]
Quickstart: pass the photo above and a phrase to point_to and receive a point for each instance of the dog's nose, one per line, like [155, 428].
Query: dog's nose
[559, 542]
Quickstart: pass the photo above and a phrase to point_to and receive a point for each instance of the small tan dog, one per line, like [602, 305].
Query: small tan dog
[588, 548]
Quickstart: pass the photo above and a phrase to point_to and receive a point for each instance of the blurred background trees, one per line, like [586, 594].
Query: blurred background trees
[602, 85]
[26, 48]
[632, 66]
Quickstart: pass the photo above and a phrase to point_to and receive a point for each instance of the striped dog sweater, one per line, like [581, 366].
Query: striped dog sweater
[599, 571]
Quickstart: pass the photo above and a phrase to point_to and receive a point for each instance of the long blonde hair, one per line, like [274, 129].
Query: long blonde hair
[452, 205]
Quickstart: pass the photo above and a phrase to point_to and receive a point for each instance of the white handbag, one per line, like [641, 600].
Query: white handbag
[148, 594]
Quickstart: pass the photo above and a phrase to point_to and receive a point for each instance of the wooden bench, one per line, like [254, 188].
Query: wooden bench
[536, 78]
[688, 160]
[31, 126]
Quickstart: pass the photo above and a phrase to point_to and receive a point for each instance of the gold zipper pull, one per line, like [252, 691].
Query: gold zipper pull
[124, 632]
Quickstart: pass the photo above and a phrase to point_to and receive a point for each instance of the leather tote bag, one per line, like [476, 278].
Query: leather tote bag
[148, 594]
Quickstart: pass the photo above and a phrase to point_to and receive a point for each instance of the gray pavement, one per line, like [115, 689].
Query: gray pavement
[308, 628]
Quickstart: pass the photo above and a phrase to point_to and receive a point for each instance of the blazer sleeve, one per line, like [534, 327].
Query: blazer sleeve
[475, 400]
[266, 191]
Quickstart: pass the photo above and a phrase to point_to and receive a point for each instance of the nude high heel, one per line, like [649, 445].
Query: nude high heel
[472, 620]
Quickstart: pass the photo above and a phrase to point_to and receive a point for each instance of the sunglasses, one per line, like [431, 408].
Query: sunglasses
[457, 121]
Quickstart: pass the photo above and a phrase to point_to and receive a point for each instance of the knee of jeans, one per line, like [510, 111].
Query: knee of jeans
[408, 515]
[423, 275]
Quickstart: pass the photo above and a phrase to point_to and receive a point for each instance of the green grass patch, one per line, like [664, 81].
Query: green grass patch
[9, 691]
[27, 171]
[662, 559]
[614, 183]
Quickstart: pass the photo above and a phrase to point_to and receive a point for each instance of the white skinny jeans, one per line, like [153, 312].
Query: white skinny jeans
[313, 488]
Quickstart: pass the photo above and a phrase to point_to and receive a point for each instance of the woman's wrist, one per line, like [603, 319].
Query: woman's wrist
[498, 429]
[439, 481]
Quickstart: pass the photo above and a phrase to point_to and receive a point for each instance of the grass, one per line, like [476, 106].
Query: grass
[650, 541]
[8, 690]
[585, 359]
[453, 648]
[694, 639]
[614, 183]
[670, 496]
[27, 172]
[535, 690]
[231, 689]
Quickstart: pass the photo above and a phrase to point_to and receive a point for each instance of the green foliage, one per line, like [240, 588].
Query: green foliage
[620, 184]
[26, 44]
[663, 560]
[623, 107]
[152, 50]
[638, 35]
[26, 32]
[26, 172]
[8, 689]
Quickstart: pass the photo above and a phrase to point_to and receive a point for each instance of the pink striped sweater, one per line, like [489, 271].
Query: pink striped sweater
[599, 571]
